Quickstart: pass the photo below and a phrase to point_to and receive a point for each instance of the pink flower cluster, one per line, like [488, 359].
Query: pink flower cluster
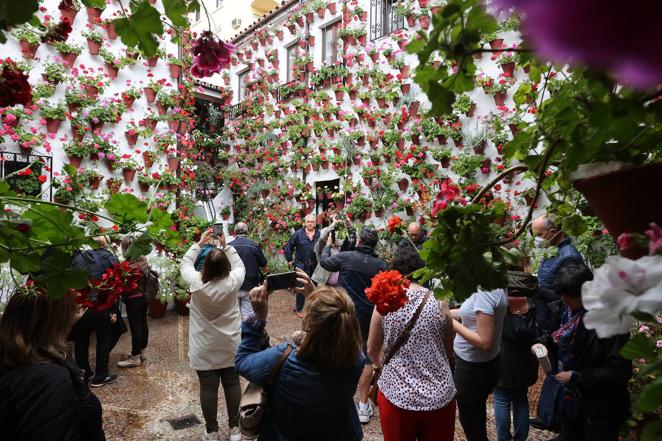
[210, 55]
[448, 193]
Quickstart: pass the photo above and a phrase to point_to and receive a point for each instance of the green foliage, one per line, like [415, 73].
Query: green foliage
[462, 246]
[13, 13]
[140, 29]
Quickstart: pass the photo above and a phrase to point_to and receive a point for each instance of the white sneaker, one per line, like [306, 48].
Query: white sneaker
[365, 414]
[213, 436]
[131, 361]
[235, 434]
[143, 357]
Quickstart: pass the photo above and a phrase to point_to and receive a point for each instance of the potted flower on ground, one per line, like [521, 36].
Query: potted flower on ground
[54, 115]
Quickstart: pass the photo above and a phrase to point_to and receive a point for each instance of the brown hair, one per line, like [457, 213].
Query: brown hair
[332, 336]
[216, 265]
[34, 329]
[127, 241]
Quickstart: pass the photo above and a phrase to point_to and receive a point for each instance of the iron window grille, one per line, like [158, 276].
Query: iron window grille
[383, 19]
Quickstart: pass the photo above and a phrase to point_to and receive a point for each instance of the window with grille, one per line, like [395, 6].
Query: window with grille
[241, 89]
[383, 19]
[330, 43]
[291, 55]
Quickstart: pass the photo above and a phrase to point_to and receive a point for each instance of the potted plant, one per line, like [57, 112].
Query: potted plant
[43, 90]
[359, 208]
[443, 156]
[94, 40]
[464, 105]
[28, 38]
[496, 87]
[75, 99]
[76, 151]
[226, 212]
[152, 88]
[133, 131]
[129, 167]
[92, 176]
[174, 66]
[466, 164]
[68, 52]
[54, 73]
[53, 114]
[130, 95]
[93, 84]
[69, 9]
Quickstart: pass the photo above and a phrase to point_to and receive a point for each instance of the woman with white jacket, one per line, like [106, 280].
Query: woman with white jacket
[215, 329]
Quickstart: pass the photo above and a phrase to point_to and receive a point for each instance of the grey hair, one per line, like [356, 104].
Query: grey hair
[241, 228]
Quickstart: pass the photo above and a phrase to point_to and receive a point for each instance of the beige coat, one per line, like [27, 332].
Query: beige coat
[215, 321]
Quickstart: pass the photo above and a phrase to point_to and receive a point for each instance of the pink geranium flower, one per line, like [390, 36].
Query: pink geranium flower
[210, 55]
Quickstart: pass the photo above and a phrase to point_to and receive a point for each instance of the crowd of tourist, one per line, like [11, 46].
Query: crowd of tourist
[420, 364]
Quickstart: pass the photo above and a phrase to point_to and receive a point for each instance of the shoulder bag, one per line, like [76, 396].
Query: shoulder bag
[402, 339]
[255, 401]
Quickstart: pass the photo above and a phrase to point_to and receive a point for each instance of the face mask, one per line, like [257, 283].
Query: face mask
[539, 242]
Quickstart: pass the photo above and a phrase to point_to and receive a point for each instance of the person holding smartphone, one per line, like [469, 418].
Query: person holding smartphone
[215, 328]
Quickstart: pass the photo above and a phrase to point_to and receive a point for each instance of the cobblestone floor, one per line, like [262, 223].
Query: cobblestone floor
[139, 405]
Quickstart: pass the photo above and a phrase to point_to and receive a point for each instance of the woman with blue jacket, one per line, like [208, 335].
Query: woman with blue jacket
[311, 398]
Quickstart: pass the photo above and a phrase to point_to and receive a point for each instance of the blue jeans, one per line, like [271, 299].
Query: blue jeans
[503, 398]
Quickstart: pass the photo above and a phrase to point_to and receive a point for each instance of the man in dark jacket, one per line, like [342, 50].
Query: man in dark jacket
[254, 260]
[95, 261]
[589, 365]
[548, 234]
[357, 268]
[303, 243]
[417, 236]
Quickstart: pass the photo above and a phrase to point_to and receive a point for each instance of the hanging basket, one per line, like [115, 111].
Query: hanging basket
[625, 200]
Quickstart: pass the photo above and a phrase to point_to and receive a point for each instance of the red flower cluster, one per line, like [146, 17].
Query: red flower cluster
[58, 32]
[122, 277]
[449, 192]
[393, 223]
[14, 85]
[388, 291]
[210, 55]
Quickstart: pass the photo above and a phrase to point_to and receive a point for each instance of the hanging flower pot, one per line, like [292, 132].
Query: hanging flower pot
[279, 35]
[405, 88]
[68, 58]
[94, 156]
[403, 184]
[624, 199]
[95, 182]
[157, 308]
[480, 148]
[69, 13]
[112, 71]
[131, 137]
[128, 174]
[150, 95]
[173, 125]
[151, 62]
[332, 8]
[75, 161]
[411, 20]
[91, 91]
[497, 43]
[110, 30]
[93, 47]
[96, 125]
[93, 15]
[172, 187]
[52, 125]
[127, 100]
[173, 164]
[413, 108]
[363, 39]
[175, 70]
[424, 20]
[508, 68]
[144, 187]
[445, 163]
[161, 109]
[310, 18]
[147, 159]
[499, 98]
[150, 123]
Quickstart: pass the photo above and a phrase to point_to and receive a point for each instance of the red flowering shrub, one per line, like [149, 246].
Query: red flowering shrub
[14, 86]
[388, 291]
[122, 277]
[393, 224]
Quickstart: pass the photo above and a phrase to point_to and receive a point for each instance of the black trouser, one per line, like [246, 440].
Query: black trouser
[474, 383]
[209, 381]
[136, 313]
[99, 322]
[590, 430]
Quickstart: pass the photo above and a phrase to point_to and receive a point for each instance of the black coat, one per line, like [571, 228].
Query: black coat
[601, 374]
[48, 401]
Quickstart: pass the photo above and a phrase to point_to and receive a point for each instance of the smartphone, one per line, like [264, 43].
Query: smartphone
[281, 281]
[218, 229]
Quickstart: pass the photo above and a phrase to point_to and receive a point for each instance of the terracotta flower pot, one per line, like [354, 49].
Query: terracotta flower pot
[150, 123]
[52, 125]
[181, 306]
[128, 101]
[147, 159]
[173, 164]
[28, 50]
[499, 98]
[151, 62]
[150, 95]
[157, 309]
[143, 187]
[112, 71]
[75, 161]
[508, 68]
[625, 200]
[173, 125]
[95, 182]
[161, 109]
[131, 138]
[175, 70]
[110, 30]
[93, 47]
[403, 184]
[96, 126]
[424, 20]
[172, 187]
[128, 174]
[69, 14]
[93, 15]
[91, 91]
[68, 59]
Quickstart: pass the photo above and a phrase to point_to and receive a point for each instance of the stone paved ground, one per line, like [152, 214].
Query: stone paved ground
[139, 405]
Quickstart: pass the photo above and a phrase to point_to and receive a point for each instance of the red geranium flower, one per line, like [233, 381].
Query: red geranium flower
[210, 55]
[388, 291]
[14, 86]
[393, 223]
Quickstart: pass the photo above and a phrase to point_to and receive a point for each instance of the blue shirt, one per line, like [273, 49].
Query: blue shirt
[305, 257]
[306, 402]
[549, 267]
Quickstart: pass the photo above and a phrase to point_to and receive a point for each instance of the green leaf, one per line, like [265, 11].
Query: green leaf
[650, 398]
[57, 275]
[127, 208]
[176, 11]
[25, 262]
[652, 431]
[14, 13]
[99, 4]
[139, 29]
[574, 225]
[639, 346]
[142, 246]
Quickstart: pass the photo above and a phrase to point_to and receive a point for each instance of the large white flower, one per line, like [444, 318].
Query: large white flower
[622, 286]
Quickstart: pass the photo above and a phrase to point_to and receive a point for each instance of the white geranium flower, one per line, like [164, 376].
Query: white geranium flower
[622, 286]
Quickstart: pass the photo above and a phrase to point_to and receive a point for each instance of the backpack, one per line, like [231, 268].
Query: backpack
[149, 285]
